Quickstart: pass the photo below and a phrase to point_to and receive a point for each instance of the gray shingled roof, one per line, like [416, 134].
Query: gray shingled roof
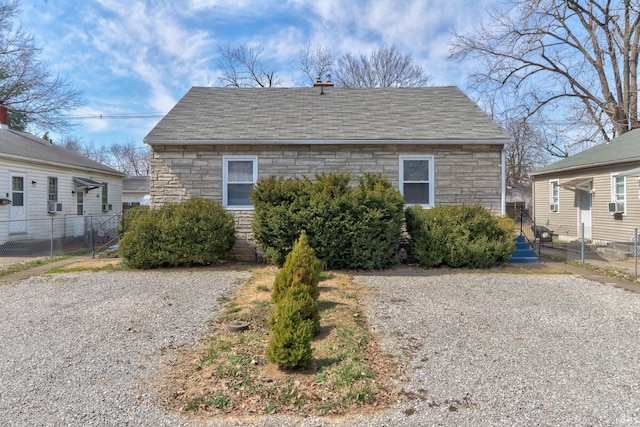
[207, 114]
[136, 184]
[24, 146]
[625, 148]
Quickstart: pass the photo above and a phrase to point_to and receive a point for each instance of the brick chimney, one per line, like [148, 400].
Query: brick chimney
[4, 117]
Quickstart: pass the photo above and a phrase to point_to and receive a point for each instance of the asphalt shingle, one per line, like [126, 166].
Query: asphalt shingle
[208, 114]
[24, 146]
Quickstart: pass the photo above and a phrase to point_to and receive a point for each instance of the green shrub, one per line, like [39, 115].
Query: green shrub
[301, 268]
[129, 216]
[196, 232]
[290, 345]
[307, 304]
[355, 227]
[459, 236]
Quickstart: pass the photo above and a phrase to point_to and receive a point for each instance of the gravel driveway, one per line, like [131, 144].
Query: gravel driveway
[479, 349]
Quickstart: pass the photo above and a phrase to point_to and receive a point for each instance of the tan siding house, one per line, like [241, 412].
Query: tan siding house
[434, 144]
[598, 189]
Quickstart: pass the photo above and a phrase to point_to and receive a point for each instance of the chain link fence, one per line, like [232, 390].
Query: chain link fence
[617, 255]
[56, 236]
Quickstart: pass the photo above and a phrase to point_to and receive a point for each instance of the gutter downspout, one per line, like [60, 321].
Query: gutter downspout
[503, 181]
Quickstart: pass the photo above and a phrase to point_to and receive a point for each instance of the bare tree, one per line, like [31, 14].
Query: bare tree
[525, 153]
[243, 66]
[315, 62]
[384, 67]
[131, 159]
[35, 96]
[128, 158]
[562, 55]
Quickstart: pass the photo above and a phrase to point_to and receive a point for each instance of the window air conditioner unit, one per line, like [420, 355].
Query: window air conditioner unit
[53, 207]
[616, 207]
[553, 207]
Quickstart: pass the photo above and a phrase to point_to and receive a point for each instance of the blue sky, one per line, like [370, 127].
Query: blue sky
[138, 58]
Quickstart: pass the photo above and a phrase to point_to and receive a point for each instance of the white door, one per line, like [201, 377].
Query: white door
[18, 207]
[584, 213]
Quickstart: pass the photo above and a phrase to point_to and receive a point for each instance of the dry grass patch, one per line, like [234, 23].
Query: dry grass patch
[229, 374]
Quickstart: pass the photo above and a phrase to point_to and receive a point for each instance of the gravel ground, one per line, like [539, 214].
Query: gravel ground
[479, 349]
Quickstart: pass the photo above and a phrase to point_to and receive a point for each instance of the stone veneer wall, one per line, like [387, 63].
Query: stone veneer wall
[463, 173]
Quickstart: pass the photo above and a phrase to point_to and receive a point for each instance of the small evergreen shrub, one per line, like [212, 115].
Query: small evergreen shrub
[308, 306]
[196, 232]
[290, 345]
[301, 268]
[459, 236]
[348, 226]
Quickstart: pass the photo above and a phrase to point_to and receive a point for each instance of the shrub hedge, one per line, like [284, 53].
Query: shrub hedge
[196, 232]
[459, 236]
[355, 227]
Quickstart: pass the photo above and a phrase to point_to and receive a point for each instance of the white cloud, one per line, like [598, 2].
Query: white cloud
[151, 43]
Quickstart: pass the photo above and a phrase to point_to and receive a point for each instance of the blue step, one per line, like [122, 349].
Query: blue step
[524, 252]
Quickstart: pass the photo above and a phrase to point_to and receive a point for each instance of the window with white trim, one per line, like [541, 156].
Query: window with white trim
[416, 180]
[52, 194]
[618, 192]
[105, 197]
[239, 177]
[554, 195]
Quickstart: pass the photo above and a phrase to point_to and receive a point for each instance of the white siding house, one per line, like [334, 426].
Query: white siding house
[47, 191]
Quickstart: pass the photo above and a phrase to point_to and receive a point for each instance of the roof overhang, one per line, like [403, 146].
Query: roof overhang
[86, 183]
[327, 141]
[630, 172]
[581, 183]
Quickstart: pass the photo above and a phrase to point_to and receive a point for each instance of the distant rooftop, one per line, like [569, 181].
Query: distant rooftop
[625, 148]
[135, 184]
[23, 146]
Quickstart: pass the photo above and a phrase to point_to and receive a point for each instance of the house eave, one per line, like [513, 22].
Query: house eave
[20, 159]
[327, 142]
[581, 167]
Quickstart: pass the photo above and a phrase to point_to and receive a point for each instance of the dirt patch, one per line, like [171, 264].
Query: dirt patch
[92, 264]
[228, 374]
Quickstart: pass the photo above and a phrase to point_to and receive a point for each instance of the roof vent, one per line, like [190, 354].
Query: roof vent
[319, 83]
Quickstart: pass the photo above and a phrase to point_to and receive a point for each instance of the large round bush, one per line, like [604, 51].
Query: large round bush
[196, 232]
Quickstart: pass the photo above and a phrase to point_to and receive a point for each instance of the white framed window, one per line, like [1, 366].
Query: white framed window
[239, 177]
[105, 197]
[416, 179]
[80, 202]
[554, 195]
[618, 194]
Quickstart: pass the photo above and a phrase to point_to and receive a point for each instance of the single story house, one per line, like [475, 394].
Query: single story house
[597, 190]
[46, 189]
[135, 191]
[434, 144]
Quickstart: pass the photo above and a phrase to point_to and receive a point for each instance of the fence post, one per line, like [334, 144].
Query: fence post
[92, 241]
[635, 253]
[51, 241]
[582, 244]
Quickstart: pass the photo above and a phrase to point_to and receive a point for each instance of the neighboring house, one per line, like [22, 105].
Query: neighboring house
[599, 187]
[44, 186]
[434, 144]
[518, 198]
[135, 191]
